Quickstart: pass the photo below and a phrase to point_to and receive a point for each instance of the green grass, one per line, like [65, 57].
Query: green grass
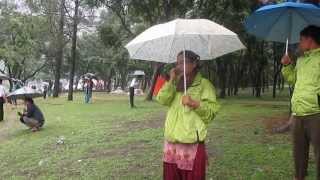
[108, 140]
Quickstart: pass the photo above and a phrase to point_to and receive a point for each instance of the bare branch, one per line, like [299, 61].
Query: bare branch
[35, 72]
[66, 10]
[122, 19]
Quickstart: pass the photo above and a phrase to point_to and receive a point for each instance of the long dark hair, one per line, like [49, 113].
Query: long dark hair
[313, 32]
[191, 57]
[28, 99]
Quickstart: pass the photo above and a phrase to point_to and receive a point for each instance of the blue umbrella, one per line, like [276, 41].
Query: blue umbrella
[282, 22]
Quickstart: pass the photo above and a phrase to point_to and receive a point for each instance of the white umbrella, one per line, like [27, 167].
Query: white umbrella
[89, 75]
[4, 77]
[163, 42]
[25, 91]
[138, 73]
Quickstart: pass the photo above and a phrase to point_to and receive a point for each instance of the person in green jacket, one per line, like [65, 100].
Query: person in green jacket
[187, 119]
[305, 76]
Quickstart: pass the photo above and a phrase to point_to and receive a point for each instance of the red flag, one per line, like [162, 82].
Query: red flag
[159, 83]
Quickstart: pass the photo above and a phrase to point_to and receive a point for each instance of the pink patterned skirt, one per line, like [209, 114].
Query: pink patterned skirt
[184, 161]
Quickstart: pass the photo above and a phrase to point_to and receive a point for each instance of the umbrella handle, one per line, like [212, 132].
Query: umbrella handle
[287, 46]
[184, 72]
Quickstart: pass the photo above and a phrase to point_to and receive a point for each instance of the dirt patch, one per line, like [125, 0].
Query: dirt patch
[264, 105]
[275, 124]
[121, 151]
[27, 173]
[133, 149]
[54, 104]
[10, 121]
[153, 121]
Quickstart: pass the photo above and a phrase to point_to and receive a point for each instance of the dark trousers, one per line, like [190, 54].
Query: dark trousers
[44, 94]
[1, 111]
[306, 131]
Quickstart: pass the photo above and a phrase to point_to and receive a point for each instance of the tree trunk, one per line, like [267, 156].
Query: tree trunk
[167, 10]
[237, 79]
[115, 84]
[123, 80]
[263, 82]
[109, 81]
[73, 49]
[259, 81]
[59, 57]
[275, 75]
[276, 69]
[105, 83]
[231, 80]
[222, 78]
[145, 83]
[109, 84]
[239, 73]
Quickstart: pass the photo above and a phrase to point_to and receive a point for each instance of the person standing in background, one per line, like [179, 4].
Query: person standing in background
[88, 90]
[2, 99]
[45, 90]
[50, 88]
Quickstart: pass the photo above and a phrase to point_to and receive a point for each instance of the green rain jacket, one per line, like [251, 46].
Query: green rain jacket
[185, 125]
[306, 78]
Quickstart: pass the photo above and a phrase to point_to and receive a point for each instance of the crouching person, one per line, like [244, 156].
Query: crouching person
[32, 116]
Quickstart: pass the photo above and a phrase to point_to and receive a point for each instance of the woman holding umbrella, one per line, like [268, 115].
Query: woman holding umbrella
[189, 114]
[191, 98]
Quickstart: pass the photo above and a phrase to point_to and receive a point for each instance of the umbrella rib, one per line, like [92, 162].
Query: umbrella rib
[173, 40]
[303, 17]
[275, 22]
[205, 41]
[142, 45]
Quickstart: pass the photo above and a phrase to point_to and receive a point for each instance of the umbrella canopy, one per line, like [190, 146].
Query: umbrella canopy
[25, 91]
[4, 77]
[282, 22]
[17, 82]
[163, 42]
[45, 83]
[138, 73]
[89, 76]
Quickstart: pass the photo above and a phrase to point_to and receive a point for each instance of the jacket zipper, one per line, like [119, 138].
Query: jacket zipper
[198, 140]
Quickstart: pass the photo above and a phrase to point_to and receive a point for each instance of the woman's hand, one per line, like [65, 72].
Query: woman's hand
[174, 74]
[286, 60]
[188, 101]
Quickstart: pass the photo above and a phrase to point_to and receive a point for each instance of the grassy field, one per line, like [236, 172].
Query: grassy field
[108, 140]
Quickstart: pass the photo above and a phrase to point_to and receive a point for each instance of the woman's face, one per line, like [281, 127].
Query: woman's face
[305, 43]
[189, 66]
